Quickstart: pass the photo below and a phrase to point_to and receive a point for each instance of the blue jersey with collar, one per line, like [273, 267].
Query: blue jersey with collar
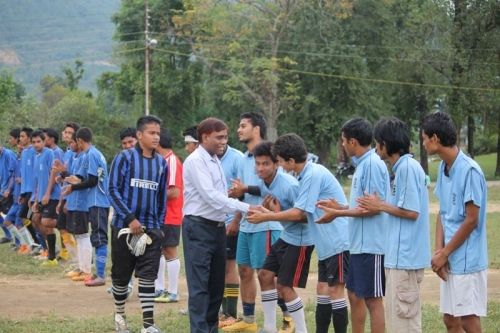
[317, 183]
[43, 166]
[8, 162]
[230, 162]
[368, 234]
[58, 153]
[465, 183]
[27, 169]
[77, 199]
[94, 164]
[408, 245]
[16, 191]
[248, 176]
[285, 188]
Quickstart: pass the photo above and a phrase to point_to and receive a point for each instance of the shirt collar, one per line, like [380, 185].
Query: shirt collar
[205, 154]
[306, 167]
[358, 160]
[399, 161]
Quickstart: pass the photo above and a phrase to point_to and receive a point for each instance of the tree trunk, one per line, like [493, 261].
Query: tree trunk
[497, 170]
[422, 112]
[471, 127]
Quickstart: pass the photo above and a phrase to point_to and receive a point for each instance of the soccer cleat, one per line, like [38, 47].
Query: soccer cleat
[241, 326]
[150, 329]
[73, 273]
[226, 321]
[158, 293]
[35, 249]
[5, 240]
[23, 249]
[44, 254]
[95, 282]
[81, 277]
[89, 277]
[50, 263]
[287, 326]
[63, 254]
[167, 297]
[121, 324]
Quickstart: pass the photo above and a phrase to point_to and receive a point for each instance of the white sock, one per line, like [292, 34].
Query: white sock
[84, 253]
[296, 309]
[173, 269]
[269, 303]
[15, 234]
[26, 236]
[160, 279]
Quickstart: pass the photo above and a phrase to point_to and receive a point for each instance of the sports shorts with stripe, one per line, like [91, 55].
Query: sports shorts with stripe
[290, 263]
[334, 270]
[366, 275]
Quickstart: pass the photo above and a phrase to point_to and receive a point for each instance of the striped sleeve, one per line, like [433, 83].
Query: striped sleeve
[162, 194]
[116, 187]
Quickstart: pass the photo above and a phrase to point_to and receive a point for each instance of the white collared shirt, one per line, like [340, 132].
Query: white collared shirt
[205, 188]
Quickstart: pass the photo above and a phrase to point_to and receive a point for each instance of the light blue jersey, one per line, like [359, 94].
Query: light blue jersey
[368, 234]
[94, 164]
[408, 245]
[230, 162]
[285, 189]
[464, 184]
[77, 199]
[248, 176]
[58, 153]
[8, 163]
[317, 183]
[27, 169]
[43, 166]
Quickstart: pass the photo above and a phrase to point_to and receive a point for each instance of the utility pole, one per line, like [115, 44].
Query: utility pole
[146, 60]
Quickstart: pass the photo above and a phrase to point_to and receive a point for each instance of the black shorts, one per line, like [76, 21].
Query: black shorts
[6, 203]
[49, 210]
[77, 222]
[334, 269]
[24, 211]
[171, 235]
[62, 219]
[231, 245]
[290, 263]
[124, 262]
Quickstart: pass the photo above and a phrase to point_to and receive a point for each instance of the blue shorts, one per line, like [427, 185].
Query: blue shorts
[366, 276]
[253, 247]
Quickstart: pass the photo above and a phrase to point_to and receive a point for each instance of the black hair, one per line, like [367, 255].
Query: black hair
[359, 129]
[290, 146]
[191, 131]
[27, 130]
[85, 134]
[393, 134]
[52, 133]
[73, 125]
[264, 148]
[441, 124]
[145, 120]
[165, 139]
[15, 133]
[37, 134]
[256, 119]
[126, 132]
[209, 126]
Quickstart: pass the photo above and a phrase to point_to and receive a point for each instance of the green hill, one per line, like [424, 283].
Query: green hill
[37, 37]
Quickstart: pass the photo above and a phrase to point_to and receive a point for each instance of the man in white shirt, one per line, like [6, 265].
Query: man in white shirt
[203, 233]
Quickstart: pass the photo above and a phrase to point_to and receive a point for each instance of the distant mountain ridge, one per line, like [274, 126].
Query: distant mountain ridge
[39, 37]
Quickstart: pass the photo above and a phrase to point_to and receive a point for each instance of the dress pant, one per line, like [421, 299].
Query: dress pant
[205, 263]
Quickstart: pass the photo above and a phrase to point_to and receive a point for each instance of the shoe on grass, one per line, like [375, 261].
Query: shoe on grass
[50, 263]
[287, 326]
[150, 329]
[241, 326]
[121, 324]
[167, 297]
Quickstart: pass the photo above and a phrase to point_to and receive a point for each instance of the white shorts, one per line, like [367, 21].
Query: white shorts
[465, 294]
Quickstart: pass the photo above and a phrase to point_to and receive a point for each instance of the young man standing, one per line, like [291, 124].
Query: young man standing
[172, 224]
[46, 193]
[316, 183]
[254, 240]
[408, 249]
[8, 166]
[137, 192]
[368, 232]
[128, 138]
[190, 139]
[461, 257]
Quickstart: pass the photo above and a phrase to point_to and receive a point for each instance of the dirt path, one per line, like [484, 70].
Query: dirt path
[22, 297]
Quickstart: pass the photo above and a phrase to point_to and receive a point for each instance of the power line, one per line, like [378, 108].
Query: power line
[349, 77]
